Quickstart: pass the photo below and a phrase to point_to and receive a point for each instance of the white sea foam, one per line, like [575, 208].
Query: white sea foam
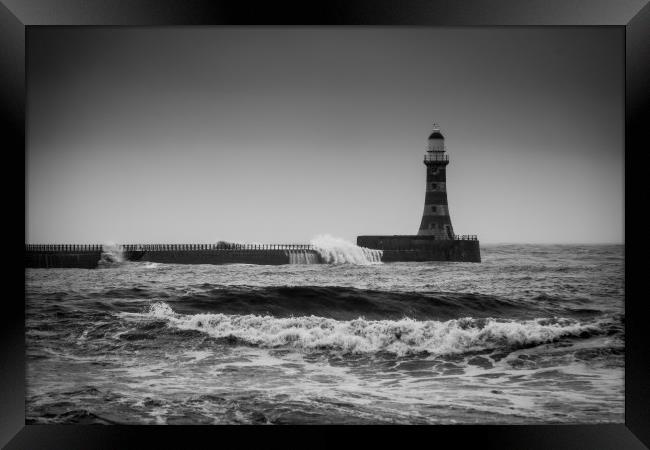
[367, 336]
[302, 257]
[333, 250]
[112, 254]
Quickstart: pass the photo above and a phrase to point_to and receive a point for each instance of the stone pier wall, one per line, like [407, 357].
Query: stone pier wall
[249, 256]
[88, 257]
[423, 248]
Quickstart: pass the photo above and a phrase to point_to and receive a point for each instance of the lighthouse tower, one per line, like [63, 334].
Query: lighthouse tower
[435, 218]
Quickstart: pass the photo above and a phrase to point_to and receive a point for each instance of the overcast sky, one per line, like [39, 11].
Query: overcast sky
[276, 135]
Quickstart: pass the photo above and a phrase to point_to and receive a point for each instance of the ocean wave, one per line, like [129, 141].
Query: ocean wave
[73, 416]
[400, 337]
[345, 303]
[333, 250]
[112, 255]
[333, 302]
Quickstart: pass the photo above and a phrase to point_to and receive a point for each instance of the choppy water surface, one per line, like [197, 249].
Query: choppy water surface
[533, 334]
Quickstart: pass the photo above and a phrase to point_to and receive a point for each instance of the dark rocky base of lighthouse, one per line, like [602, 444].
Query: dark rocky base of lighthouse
[423, 248]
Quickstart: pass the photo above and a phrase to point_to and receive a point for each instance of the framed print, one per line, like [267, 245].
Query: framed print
[359, 214]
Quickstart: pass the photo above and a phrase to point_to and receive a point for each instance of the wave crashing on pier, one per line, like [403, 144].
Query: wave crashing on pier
[333, 250]
[112, 255]
[325, 249]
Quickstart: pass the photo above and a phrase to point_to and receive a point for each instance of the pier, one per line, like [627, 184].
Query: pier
[90, 256]
[394, 248]
[464, 248]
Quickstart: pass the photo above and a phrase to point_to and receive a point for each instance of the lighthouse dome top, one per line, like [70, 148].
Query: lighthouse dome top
[436, 134]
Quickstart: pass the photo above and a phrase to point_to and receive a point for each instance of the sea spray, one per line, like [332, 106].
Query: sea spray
[112, 254]
[333, 250]
[303, 257]
[400, 337]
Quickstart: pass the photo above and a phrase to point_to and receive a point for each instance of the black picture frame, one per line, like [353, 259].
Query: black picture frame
[17, 16]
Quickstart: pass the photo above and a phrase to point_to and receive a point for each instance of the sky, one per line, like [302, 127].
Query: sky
[277, 135]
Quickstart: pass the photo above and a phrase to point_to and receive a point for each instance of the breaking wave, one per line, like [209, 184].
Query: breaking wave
[400, 337]
[303, 257]
[112, 254]
[333, 250]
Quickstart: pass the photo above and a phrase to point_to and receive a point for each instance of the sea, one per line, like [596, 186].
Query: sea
[534, 334]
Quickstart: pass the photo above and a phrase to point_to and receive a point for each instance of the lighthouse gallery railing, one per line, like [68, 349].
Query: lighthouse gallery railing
[429, 157]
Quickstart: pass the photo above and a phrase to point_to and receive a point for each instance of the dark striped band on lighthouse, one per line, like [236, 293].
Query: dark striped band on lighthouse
[435, 218]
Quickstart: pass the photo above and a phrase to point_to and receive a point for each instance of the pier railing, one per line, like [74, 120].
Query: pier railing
[80, 248]
[63, 247]
[465, 237]
[220, 246]
[163, 247]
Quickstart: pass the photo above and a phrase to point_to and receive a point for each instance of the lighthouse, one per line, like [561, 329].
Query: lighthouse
[435, 240]
[435, 217]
